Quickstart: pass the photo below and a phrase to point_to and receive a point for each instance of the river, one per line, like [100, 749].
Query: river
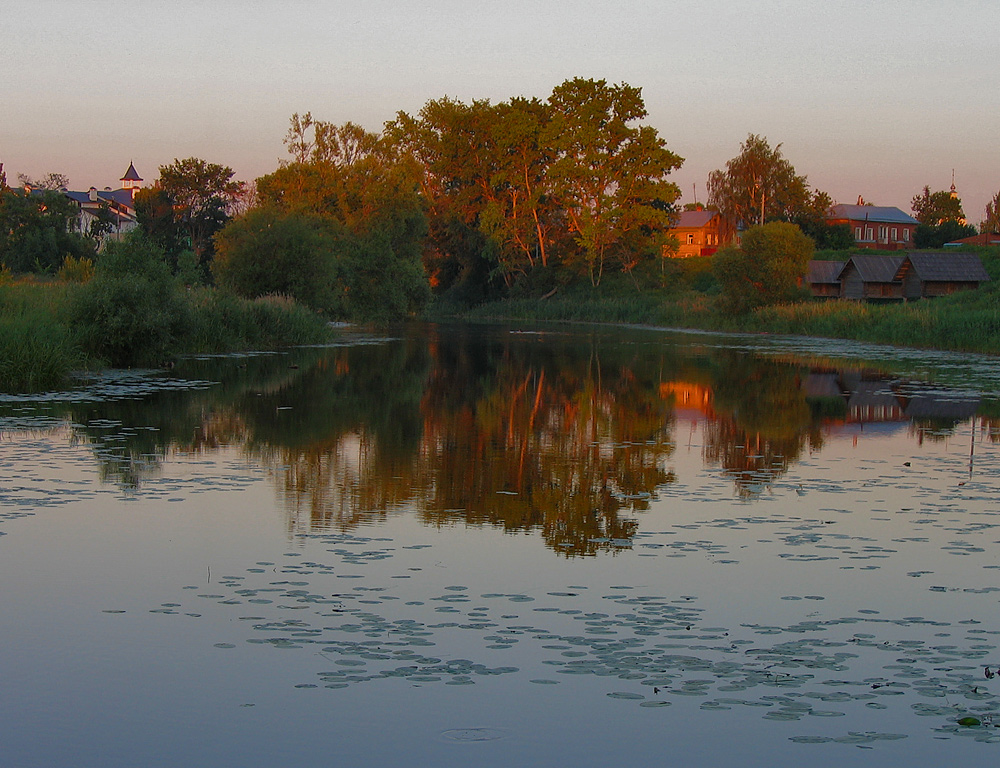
[495, 545]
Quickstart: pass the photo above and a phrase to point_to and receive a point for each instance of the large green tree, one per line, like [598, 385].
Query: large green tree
[765, 269]
[36, 231]
[760, 185]
[524, 186]
[935, 208]
[340, 226]
[609, 174]
[201, 195]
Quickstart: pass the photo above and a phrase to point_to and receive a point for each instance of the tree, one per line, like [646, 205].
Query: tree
[340, 226]
[132, 312]
[609, 175]
[201, 195]
[765, 269]
[273, 252]
[935, 208]
[51, 181]
[935, 236]
[991, 224]
[35, 231]
[758, 185]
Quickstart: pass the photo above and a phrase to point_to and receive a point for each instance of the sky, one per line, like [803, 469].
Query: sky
[866, 97]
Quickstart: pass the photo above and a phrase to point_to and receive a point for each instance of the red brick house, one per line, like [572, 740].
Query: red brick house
[876, 226]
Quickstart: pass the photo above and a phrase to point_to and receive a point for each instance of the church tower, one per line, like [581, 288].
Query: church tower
[131, 180]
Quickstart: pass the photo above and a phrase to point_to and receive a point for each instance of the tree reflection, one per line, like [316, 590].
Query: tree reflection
[567, 435]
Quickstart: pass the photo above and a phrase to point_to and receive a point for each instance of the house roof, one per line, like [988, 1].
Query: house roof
[131, 174]
[877, 213]
[824, 271]
[695, 219]
[948, 266]
[992, 238]
[875, 269]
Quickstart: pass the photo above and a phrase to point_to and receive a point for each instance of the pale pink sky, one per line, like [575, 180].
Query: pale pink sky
[868, 97]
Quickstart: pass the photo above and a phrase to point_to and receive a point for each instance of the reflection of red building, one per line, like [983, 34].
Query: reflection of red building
[688, 397]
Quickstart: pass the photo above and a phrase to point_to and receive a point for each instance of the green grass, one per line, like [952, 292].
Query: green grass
[37, 348]
[41, 346]
[967, 321]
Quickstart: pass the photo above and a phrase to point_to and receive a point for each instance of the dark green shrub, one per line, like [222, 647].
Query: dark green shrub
[133, 312]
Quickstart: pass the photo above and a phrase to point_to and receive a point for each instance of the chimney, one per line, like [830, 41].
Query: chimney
[93, 194]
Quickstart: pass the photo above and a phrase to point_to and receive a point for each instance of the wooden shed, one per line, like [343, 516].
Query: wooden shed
[940, 273]
[823, 278]
[872, 277]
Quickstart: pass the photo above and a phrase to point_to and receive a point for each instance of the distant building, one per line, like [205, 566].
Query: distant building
[909, 276]
[875, 226]
[119, 203]
[700, 233]
[986, 238]
[823, 278]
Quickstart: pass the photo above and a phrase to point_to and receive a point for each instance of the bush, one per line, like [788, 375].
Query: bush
[271, 252]
[222, 322]
[75, 270]
[766, 268]
[132, 312]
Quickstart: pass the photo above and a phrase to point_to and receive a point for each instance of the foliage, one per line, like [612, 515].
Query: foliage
[37, 351]
[50, 181]
[935, 236]
[222, 322]
[609, 176]
[991, 223]
[766, 269]
[272, 252]
[200, 196]
[760, 185]
[935, 208]
[154, 211]
[75, 270]
[350, 221]
[132, 312]
[34, 231]
[570, 184]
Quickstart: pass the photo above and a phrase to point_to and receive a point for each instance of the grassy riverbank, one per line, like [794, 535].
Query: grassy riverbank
[968, 321]
[43, 341]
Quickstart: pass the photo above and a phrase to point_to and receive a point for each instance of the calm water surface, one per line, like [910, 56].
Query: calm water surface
[461, 545]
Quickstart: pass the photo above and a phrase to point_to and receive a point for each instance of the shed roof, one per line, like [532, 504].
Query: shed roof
[824, 271]
[875, 269]
[949, 267]
[882, 214]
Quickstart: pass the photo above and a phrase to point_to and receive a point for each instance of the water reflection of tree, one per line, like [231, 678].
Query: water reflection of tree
[531, 435]
[764, 421]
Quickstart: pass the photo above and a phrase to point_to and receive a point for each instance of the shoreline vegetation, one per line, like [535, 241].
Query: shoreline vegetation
[51, 329]
[139, 315]
[967, 321]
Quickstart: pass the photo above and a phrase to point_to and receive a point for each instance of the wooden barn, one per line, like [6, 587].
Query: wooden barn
[924, 275]
[872, 278]
[823, 278]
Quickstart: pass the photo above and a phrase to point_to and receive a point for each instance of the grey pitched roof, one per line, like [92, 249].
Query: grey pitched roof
[876, 269]
[946, 266]
[120, 196]
[824, 271]
[880, 214]
[696, 219]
